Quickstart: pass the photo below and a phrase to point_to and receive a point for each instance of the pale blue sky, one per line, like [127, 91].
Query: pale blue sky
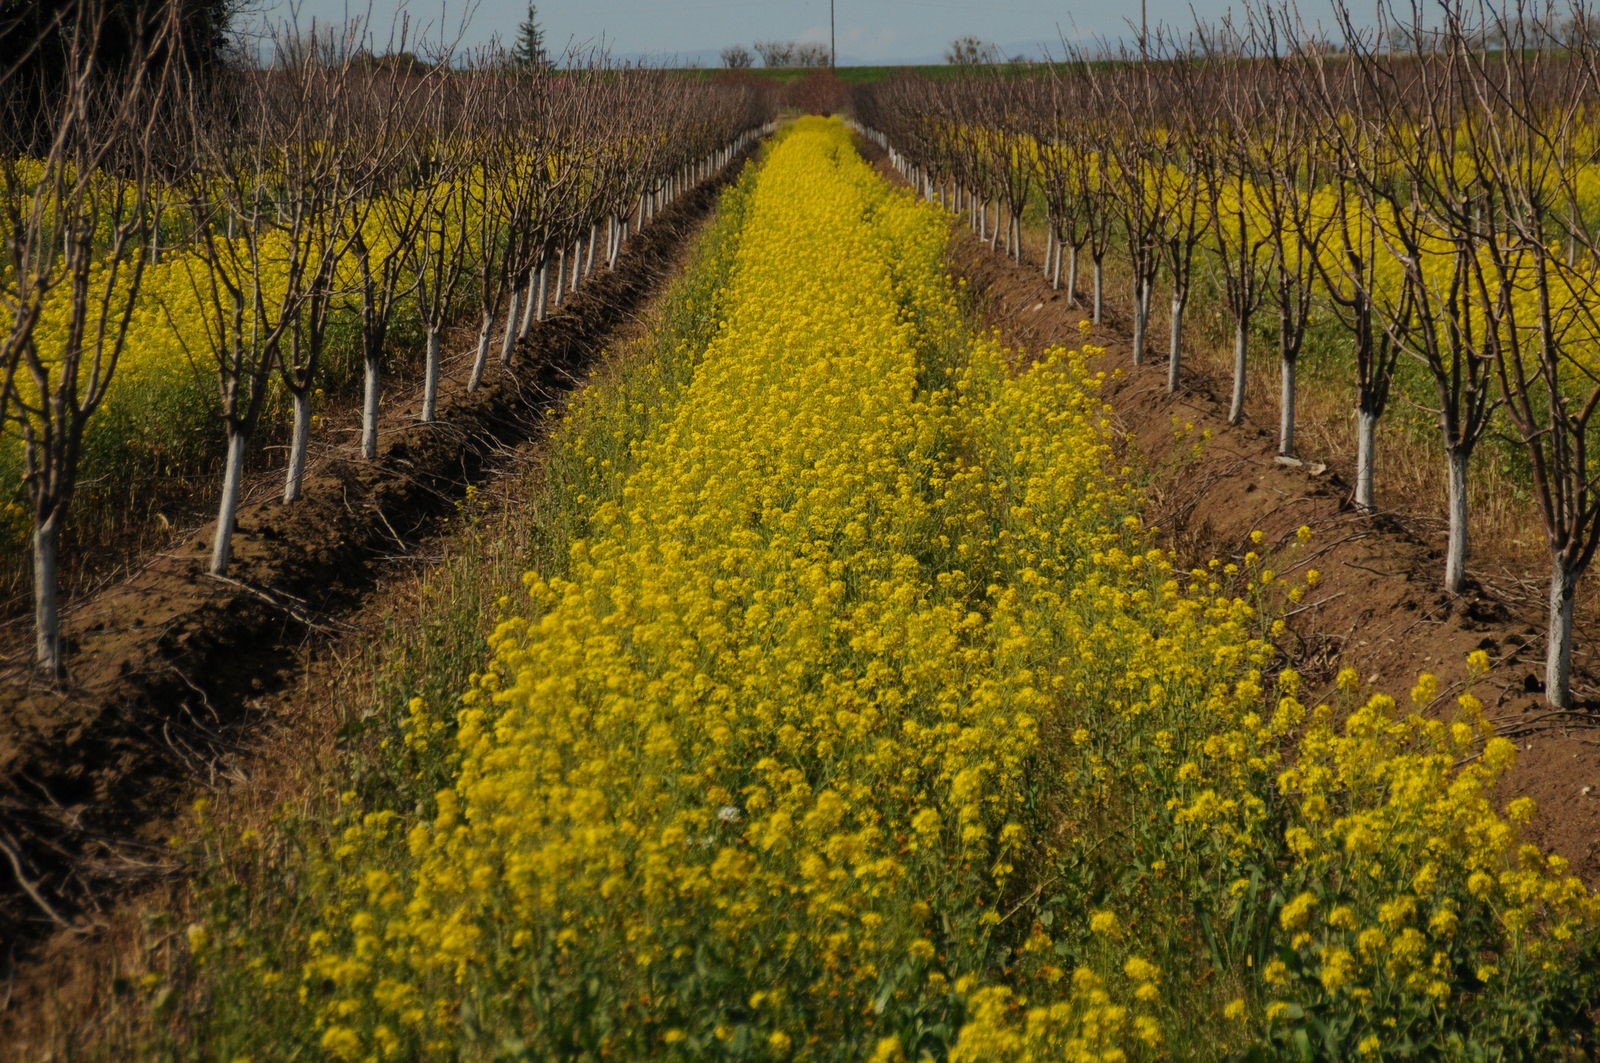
[870, 31]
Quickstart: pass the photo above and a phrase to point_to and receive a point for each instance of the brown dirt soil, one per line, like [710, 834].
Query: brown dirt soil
[170, 669]
[1378, 607]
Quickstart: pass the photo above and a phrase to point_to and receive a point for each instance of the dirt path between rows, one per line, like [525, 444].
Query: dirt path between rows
[172, 669]
[1378, 606]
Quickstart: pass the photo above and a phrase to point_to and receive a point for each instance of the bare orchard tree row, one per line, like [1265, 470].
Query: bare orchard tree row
[1426, 186]
[313, 191]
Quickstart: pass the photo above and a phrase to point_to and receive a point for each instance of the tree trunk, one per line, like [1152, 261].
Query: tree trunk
[298, 442]
[1141, 318]
[1175, 344]
[1049, 251]
[538, 302]
[481, 358]
[228, 508]
[561, 271]
[594, 234]
[577, 262]
[1241, 348]
[1366, 452]
[1558, 654]
[1072, 273]
[430, 384]
[508, 342]
[611, 241]
[1099, 291]
[1455, 564]
[46, 594]
[373, 379]
[527, 304]
[1287, 368]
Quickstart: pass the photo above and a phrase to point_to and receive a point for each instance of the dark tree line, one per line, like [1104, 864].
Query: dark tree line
[38, 40]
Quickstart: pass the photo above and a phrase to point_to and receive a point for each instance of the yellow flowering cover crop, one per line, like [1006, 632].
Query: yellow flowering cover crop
[864, 722]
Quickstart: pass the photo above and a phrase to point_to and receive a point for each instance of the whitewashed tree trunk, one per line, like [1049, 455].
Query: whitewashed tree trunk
[508, 342]
[594, 234]
[539, 300]
[1099, 292]
[1049, 250]
[372, 379]
[1455, 561]
[299, 440]
[577, 263]
[1287, 367]
[228, 508]
[1558, 654]
[528, 304]
[1366, 454]
[1141, 318]
[561, 270]
[1241, 351]
[481, 358]
[430, 377]
[46, 594]
[1175, 345]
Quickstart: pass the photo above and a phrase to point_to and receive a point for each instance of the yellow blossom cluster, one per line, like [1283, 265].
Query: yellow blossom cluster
[864, 721]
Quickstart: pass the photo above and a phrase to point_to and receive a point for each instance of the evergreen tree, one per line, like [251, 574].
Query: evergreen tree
[530, 41]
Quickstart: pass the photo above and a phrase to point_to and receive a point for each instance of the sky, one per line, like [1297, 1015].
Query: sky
[869, 31]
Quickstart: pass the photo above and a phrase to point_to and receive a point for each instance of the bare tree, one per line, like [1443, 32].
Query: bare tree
[1356, 270]
[388, 157]
[969, 50]
[1419, 198]
[812, 55]
[737, 57]
[1525, 108]
[77, 222]
[256, 259]
[776, 54]
[1127, 94]
[312, 175]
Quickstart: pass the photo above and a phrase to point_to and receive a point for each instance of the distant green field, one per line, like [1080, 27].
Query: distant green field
[863, 75]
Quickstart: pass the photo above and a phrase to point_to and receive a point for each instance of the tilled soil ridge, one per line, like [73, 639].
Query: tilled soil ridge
[168, 667]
